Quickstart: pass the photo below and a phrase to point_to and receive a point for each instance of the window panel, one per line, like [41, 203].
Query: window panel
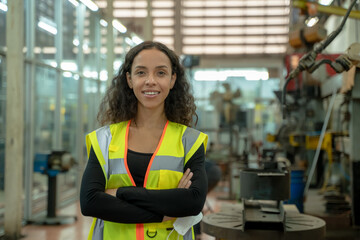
[277, 39]
[130, 4]
[70, 37]
[210, 23]
[163, 31]
[234, 50]
[254, 49]
[166, 40]
[101, 4]
[45, 30]
[192, 40]
[214, 49]
[163, 4]
[89, 45]
[160, 22]
[235, 3]
[2, 30]
[44, 128]
[271, 49]
[2, 128]
[163, 13]
[126, 13]
[192, 50]
[118, 50]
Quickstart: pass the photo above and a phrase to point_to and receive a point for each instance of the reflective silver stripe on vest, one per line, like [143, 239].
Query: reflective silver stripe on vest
[98, 230]
[104, 138]
[188, 235]
[117, 166]
[168, 163]
[189, 138]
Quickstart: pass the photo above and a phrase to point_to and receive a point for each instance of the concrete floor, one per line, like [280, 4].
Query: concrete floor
[337, 225]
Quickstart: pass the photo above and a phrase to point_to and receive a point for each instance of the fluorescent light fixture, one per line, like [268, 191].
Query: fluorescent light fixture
[250, 75]
[90, 4]
[90, 74]
[136, 40]
[103, 23]
[117, 65]
[53, 64]
[256, 75]
[129, 41]
[49, 50]
[67, 74]
[325, 2]
[85, 46]
[74, 2]
[91, 89]
[47, 27]
[37, 50]
[76, 42]
[3, 7]
[311, 21]
[103, 75]
[118, 26]
[69, 66]
[209, 76]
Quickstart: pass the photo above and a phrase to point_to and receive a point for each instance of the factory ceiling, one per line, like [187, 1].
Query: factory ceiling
[221, 29]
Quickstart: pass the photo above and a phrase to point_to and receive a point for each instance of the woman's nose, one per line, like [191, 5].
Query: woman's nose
[150, 79]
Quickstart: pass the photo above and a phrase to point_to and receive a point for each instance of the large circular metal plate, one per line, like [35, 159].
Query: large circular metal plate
[227, 224]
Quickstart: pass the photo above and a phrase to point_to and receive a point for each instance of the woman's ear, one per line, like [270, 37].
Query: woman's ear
[128, 79]
[173, 80]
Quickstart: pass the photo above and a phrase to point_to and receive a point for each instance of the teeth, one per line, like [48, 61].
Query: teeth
[151, 93]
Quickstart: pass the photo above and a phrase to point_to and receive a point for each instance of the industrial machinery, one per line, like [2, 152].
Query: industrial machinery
[52, 164]
[347, 62]
[262, 213]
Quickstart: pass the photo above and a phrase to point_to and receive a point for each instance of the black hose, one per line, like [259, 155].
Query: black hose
[317, 64]
[332, 36]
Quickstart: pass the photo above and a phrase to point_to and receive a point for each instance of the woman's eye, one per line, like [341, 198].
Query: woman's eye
[161, 73]
[140, 73]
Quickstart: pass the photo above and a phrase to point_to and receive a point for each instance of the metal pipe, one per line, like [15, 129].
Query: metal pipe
[318, 149]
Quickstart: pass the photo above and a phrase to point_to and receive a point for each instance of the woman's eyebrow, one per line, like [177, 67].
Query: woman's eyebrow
[162, 66]
[139, 67]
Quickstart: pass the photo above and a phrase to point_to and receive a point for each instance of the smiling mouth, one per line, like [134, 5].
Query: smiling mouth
[151, 93]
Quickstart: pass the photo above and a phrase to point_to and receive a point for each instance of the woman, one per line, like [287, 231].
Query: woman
[145, 168]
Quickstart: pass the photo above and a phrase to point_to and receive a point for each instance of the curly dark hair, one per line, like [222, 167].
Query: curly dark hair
[120, 103]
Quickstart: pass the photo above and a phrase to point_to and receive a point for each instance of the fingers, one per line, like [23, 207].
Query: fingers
[111, 191]
[185, 181]
[166, 218]
[188, 184]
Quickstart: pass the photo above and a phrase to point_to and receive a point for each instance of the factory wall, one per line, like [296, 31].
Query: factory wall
[65, 77]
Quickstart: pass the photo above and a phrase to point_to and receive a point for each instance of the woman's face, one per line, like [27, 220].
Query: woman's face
[151, 78]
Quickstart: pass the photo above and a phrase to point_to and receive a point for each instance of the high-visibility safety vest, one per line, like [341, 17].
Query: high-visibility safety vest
[177, 145]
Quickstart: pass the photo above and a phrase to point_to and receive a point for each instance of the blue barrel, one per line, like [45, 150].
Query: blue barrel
[297, 186]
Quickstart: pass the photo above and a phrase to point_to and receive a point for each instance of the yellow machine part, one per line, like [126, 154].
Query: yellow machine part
[325, 9]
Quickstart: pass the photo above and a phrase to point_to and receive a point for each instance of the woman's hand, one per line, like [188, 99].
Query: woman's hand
[166, 218]
[111, 191]
[185, 181]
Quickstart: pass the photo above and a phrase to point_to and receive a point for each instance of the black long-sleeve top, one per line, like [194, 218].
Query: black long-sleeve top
[138, 204]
